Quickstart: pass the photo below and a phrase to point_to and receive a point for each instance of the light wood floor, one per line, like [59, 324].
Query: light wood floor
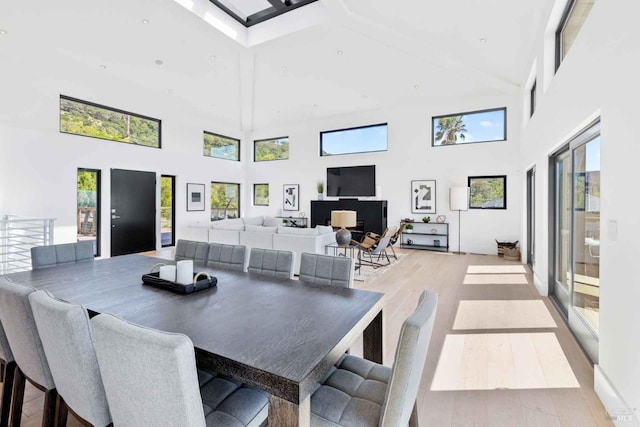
[510, 370]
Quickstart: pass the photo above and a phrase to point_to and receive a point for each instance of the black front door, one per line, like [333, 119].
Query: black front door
[133, 211]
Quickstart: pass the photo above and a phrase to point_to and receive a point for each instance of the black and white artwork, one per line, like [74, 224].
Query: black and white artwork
[195, 197]
[290, 198]
[423, 197]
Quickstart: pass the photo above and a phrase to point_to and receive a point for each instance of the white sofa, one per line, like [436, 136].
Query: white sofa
[264, 233]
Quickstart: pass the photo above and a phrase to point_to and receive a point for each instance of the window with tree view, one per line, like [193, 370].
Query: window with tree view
[363, 139]
[488, 192]
[221, 147]
[271, 149]
[84, 118]
[471, 127]
[225, 200]
[261, 194]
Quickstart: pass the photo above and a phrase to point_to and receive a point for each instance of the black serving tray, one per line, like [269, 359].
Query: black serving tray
[153, 279]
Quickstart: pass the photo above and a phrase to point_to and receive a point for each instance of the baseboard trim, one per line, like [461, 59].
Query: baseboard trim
[542, 290]
[621, 414]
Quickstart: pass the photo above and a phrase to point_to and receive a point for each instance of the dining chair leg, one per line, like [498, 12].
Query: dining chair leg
[49, 414]
[7, 391]
[63, 411]
[18, 396]
[413, 420]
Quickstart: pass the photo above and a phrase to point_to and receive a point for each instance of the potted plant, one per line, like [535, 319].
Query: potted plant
[408, 228]
[320, 188]
[426, 219]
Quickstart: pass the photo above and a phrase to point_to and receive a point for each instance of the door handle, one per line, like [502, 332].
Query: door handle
[115, 216]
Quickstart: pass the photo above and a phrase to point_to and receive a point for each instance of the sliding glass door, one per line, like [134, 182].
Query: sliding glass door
[575, 281]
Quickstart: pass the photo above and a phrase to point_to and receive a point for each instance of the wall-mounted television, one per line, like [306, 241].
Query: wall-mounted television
[352, 181]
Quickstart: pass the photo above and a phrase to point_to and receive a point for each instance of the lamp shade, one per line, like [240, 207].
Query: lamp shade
[459, 198]
[343, 218]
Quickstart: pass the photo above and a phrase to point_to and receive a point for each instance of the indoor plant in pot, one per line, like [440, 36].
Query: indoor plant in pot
[408, 228]
[320, 188]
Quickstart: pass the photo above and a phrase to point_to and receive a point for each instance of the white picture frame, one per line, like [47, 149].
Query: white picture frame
[423, 196]
[291, 197]
[195, 197]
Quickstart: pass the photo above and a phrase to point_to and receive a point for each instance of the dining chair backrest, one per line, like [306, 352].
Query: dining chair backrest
[66, 253]
[228, 257]
[195, 251]
[149, 376]
[408, 365]
[22, 334]
[326, 270]
[66, 337]
[5, 351]
[271, 262]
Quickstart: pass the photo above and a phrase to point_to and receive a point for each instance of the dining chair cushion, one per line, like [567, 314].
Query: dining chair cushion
[66, 253]
[22, 334]
[326, 270]
[191, 250]
[66, 337]
[352, 395]
[270, 262]
[228, 257]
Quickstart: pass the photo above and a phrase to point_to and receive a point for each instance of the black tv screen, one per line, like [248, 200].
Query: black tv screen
[353, 181]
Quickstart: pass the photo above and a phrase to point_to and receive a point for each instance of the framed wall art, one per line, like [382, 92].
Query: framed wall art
[195, 197]
[423, 197]
[291, 197]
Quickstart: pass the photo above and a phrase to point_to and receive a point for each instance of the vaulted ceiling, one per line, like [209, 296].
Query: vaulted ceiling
[357, 55]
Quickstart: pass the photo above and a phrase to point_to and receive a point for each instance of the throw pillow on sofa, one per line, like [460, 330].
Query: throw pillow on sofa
[270, 221]
[298, 231]
[253, 220]
[260, 228]
[324, 229]
[235, 224]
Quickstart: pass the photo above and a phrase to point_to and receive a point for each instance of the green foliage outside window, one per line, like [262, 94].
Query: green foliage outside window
[87, 189]
[80, 118]
[488, 192]
[261, 194]
[225, 200]
[221, 147]
[271, 149]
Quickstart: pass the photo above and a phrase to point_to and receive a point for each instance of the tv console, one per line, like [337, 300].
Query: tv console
[371, 214]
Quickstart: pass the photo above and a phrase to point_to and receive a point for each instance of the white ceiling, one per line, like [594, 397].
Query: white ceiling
[388, 49]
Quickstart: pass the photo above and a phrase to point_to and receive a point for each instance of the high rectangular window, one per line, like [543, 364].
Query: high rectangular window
[84, 118]
[532, 99]
[271, 149]
[221, 147]
[470, 127]
[572, 20]
[225, 200]
[362, 139]
[261, 194]
[488, 192]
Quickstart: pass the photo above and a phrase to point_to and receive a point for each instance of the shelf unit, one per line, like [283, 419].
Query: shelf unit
[293, 221]
[430, 236]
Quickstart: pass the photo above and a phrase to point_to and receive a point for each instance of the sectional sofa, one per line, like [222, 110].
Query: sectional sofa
[265, 233]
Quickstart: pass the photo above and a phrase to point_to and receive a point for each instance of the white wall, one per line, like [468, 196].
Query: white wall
[410, 156]
[599, 76]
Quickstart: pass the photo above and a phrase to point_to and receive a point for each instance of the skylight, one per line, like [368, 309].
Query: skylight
[252, 12]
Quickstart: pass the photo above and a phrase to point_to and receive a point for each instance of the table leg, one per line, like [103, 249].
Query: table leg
[372, 340]
[283, 413]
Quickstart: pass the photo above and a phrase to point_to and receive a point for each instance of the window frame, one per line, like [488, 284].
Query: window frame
[210, 197]
[355, 128]
[504, 196]
[433, 126]
[255, 141]
[205, 132]
[254, 194]
[532, 98]
[98, 173]
[115, 110]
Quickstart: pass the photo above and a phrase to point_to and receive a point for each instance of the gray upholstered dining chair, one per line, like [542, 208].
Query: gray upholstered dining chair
[66, 253]
[66, 338]
[326, 270]
[189, 249]
[151, 379]
[361, 393]
[228, 257]
[271, 262]
[20, 327]
[7, 374]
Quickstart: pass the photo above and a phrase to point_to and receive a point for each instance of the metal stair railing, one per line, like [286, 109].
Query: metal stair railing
[17, 236]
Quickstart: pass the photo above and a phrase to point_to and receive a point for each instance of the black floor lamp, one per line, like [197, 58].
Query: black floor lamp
[459, 201]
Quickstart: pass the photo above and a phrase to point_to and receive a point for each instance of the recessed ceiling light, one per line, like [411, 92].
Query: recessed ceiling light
[3, 32]
[339, 52]
[145, 21]
[102, 67]
[483, 40]
[212, 57]
[159, 62]
[284, 67]
[416, 87]
[170, 91]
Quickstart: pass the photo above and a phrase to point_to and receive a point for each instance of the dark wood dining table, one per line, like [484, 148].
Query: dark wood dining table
[279, 335]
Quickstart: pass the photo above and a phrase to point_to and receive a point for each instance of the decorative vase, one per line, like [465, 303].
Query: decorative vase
[320, 196]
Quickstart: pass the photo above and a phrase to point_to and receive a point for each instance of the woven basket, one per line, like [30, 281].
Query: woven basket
[512, 254]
